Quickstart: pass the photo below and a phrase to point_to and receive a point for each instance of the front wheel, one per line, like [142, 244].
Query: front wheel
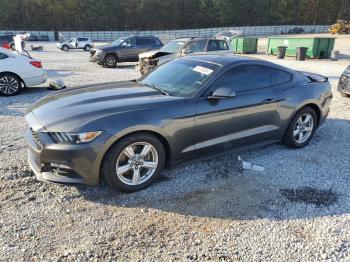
[65, 48]
[134, 162]
[110, 61]
[302, 128]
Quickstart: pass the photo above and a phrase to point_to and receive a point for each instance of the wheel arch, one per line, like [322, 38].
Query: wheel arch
[112, 53]
[12, 73]
[315, 107]
[163, 140]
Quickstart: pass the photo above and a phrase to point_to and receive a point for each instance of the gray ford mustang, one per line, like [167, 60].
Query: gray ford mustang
[128, 132]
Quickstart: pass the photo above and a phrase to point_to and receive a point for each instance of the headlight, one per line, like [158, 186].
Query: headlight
[98, 52]
[75, 138]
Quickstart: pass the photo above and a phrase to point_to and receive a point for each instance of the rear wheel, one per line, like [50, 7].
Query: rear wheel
[134, 162]
[13, 47]
[9, 84]
[87, 48]
[301, 129]
[65, 48]
[110, 61]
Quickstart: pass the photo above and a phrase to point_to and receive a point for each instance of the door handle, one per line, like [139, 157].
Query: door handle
[269, 101]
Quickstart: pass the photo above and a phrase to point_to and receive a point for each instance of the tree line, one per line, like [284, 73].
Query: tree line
[165, 14]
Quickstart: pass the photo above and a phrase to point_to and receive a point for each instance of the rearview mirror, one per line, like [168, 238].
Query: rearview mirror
[222, 92]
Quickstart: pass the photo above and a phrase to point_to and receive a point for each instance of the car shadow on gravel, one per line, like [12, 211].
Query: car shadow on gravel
[220, 188]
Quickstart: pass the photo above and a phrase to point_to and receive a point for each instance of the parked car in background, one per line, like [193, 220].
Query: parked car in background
[182, 47]
[125, 49]
[33, 38]
[192, 106]
[76, 43]
[43, 38]
[296, 30]
[18, 71]
[229, 35]
[344, 83]
[6, 41]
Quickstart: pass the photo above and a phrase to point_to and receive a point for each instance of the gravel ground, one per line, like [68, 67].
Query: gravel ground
[297, 209]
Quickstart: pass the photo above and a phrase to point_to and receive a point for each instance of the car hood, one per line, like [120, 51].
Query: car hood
[106, 47]
[153, 54]
[167, 58]
[70, 110]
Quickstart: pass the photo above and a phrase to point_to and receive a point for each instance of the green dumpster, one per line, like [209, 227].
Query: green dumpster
[318, 47]
[244, 45]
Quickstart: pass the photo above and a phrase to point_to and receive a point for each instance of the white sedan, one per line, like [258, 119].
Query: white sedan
[18, 71]
[76, 43]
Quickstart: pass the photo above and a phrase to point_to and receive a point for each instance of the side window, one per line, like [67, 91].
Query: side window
[222, 45]
[217, 45]
[244, 78]
[279, 77]
[196, 46]
[130, 42]
[80, 39]
[145, 41]
[3, 56]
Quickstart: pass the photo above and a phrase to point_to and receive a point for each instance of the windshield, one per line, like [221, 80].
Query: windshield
[181, 77]
[118, 42]
[173, 46]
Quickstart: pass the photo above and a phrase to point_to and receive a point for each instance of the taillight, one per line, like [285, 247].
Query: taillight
[36, 64]
[6, 45]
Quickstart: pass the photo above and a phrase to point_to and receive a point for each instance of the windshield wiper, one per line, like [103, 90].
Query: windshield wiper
[157, 88]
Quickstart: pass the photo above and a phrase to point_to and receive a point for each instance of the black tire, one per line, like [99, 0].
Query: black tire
[110, 61]
[344, 95]
[16, 84]
[111, 158]
[13, 47]
[289, 139]
[87, 48]
[65, 48]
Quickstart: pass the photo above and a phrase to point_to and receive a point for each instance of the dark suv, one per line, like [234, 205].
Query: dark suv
[6, 41]
[125, 49]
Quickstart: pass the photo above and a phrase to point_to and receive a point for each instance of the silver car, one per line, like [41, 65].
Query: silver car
[182, 47]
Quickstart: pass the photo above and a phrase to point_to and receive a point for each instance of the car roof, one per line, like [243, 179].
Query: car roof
[220, 59]
[229, 59]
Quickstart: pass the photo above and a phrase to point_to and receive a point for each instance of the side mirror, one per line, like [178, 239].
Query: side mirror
[183, 52]
[222, 92]
[124, 44]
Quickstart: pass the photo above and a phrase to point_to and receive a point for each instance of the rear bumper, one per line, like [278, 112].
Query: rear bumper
[36, 80]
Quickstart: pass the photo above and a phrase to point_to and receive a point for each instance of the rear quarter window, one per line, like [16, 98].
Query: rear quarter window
[279, 77]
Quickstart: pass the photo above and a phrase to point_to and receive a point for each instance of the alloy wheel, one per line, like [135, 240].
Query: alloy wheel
[110, 61]
[9, 85]
[137, 163]
[303, 128]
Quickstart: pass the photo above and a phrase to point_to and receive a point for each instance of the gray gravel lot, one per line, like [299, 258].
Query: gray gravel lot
[297, 209]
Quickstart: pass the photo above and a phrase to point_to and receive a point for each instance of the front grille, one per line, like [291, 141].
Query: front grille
[35, 136]
[346, 86]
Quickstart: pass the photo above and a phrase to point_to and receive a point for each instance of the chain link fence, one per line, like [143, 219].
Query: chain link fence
[167, 35]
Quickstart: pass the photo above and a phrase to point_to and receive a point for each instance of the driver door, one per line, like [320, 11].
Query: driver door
[249, 117]
[128, 50]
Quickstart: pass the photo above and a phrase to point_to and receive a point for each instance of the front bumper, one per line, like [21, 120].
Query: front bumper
[63, 163]
[96, 59]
